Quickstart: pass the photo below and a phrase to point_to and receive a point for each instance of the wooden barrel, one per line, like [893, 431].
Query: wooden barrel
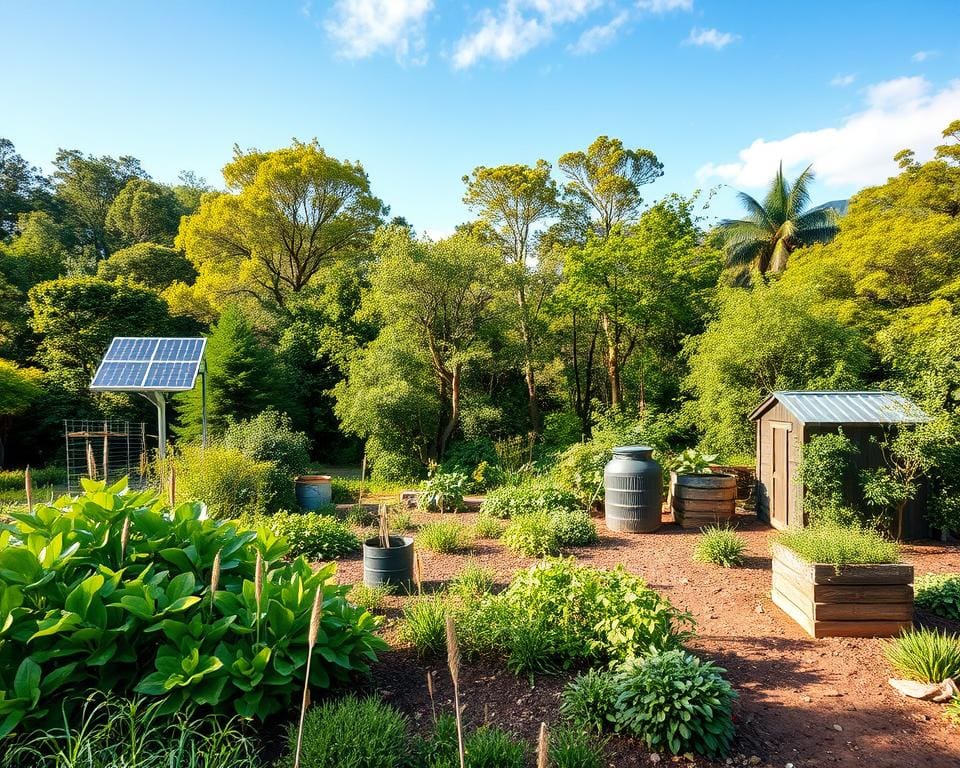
[708, 499]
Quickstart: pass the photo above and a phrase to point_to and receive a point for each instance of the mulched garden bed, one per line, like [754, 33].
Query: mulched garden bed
[802, 701]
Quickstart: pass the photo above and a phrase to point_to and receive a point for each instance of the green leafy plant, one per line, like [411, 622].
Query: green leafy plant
[925, 655]
[487, 527]
[825, 464]
[115, 591]
[486, 747]
[42, 477]
[314, 535]
[586, 700]
[228, 482]
[444, 492]
[673, 701]
[952, 711]
[720, 545]
[574, 529]
[573, 748]
[473, 579]
[401, 520]
[370, 598]
[540, 534]
[360, 516]
[112, 732]
[532, 497]
[351, 733]
[443, 536]
[838, 545]
[692, 462]
[424, 626]
[938, 593]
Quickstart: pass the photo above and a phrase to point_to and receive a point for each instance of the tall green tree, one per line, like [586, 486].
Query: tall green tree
[149, 264]
[778, 226]
[289, 213]
[23, 188]
[514, 201]
[241, 378]
[37, 253]
[19, 389]
[144, 212]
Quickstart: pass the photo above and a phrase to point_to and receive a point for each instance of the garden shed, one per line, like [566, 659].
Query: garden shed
[787, 420]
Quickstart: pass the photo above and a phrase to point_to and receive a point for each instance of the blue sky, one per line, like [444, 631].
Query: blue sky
[421, 91]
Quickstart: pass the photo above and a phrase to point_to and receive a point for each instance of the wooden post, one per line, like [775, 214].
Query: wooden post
[106, 452]
[173, 484]
[28, 482]
[91, 462]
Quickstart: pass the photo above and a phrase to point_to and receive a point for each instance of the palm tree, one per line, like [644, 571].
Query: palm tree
[777, 227]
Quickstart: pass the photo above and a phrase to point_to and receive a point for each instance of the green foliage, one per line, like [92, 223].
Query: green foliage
[443, 492]
[401, 520]
[938, 593]
[424, 625]
[838, 546]
[720, 545]
[269, 436]
[487, 527]
[573, 748]
[951, 711]
[148, 264]
[112, 590]
[444, 536]
[674, 702]
[486, 747]
[539, 495]
[473, 580]
[370, 598]
[692, 462]
[351, 733]
[144, 212]
[824, 467]
[229, 483]
[925, 655]
[19, 388]
[587, 700]
[121, 733]
[43, 477]
[476, 458]
[539, 534]
[315, 535]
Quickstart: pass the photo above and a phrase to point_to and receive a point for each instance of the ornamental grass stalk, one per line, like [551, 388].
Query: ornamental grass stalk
[311, 643]
[453, 662]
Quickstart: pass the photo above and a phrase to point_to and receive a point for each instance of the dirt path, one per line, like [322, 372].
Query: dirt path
[802, 701]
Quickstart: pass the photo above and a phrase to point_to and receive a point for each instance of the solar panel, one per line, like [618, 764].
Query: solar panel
[134, 364]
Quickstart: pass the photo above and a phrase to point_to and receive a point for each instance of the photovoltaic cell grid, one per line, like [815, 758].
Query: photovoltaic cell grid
[166, 365]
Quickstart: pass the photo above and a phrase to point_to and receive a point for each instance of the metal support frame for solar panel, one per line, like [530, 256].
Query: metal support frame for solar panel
[152, 367]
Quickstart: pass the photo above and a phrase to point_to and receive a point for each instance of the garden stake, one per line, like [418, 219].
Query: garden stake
[173, 485]
[311, 642]
[214, 580]
[453, 662]
[124, 538]
[418, 572]
[384, 526]
[91, 463]
[258, 589]
[433, 705]
[28, 481]
[542, 746]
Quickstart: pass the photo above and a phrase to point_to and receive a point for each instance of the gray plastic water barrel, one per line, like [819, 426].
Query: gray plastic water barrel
[388, 565]
[633, 490]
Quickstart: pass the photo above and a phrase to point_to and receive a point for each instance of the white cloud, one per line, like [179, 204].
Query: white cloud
[842, 81]
[712, 38]
[365, 27]
[664, 6]
[600, 36]
[517, 27]
[897, 114]
[922, 56]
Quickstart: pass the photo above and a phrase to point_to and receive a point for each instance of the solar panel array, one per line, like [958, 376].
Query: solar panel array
[134, 364]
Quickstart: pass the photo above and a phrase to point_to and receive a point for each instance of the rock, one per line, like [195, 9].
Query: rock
[754, 760]
[838, 728]
[788, 765]
[654, 758]
[758, 609]
[806, 699]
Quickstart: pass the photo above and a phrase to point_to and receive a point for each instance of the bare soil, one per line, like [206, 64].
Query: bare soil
[802, 701]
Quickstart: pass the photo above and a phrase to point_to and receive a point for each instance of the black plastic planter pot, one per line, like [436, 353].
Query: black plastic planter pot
[388, 565]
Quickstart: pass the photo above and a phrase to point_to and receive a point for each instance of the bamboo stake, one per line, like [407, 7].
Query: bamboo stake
[453, 662]
[543, 746]
[311, 642]
[384, 526]
[173, 485]
[433, 704]
[28, 482]
[418, 572]
[91, 463]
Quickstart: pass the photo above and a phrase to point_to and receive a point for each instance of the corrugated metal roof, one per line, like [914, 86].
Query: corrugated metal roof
[846, 407]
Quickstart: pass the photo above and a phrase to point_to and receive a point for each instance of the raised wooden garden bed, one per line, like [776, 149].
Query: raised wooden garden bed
[699, 500]
[852, 601]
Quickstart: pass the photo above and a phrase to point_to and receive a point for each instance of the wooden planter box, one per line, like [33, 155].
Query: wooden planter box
[857, 601]
[699, 500]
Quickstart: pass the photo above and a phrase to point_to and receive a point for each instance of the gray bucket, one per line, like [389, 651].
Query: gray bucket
[313, 491]
[388, 565]
[633, 490]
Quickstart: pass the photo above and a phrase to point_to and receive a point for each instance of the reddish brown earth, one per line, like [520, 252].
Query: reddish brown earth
[802, 701]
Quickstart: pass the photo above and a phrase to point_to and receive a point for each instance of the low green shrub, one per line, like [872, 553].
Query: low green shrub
[443, 536]
[511, 501]
[574, 529]
[952, 711]
[675, 702]
[473, 579]
[486, 747]
[443, 492]
[351, 733]
[401, 521]
[370, 598]
[838, 546]
[424, 625]
[133, 733]
[938, 593]
[228, 482]
[269, 436]
[540, 534]
[41, 477]
[573, 748]
[586, 700]
[925, 655]
[487, 527]
[112, 590]
[720, 545]
[315, 535]
[360, 516]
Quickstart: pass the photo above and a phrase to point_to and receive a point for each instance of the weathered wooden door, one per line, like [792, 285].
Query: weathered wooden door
[780, 497]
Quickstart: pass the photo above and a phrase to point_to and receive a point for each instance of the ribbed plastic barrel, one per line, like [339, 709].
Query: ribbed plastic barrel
[388, 565]
[313, 491]
[633, 490]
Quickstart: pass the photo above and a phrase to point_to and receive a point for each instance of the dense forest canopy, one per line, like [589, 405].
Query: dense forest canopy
[566, 298]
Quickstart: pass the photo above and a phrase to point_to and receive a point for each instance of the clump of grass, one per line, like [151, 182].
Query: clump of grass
[837, 545]
[474, 580]
[443, 536]
[360, 516]
[401, 520]
[586, 700]
[720, 545]
[572, 748]
[424, 625]
[925, 655]
[487, 527]
[370, 598]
